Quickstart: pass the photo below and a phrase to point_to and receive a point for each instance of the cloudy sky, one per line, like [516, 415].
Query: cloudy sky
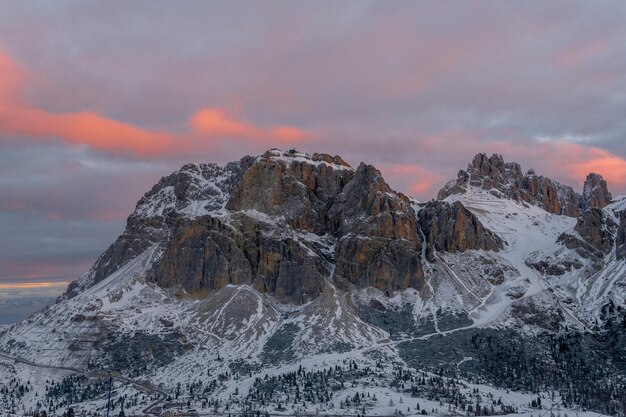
[99, 100]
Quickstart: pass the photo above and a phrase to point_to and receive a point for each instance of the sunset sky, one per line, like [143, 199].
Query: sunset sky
[99, 100]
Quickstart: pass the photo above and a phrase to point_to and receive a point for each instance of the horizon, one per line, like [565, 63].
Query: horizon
[98, 102]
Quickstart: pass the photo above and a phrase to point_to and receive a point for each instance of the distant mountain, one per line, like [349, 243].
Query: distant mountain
[288, 283]
[15, 310]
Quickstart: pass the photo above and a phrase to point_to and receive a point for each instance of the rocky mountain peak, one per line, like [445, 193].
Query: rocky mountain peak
[315, 158]
[483, 167]
[453, 228]
[295, 186]
[595, 192]
[505, 179]
[287, 223]
[486, 172]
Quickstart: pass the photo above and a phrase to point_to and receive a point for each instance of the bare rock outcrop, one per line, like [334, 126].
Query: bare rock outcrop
[450, 227]
[297, 189]
[595, 192]
[505, 179]
[595, 233]
[378, 243]
[206, 254]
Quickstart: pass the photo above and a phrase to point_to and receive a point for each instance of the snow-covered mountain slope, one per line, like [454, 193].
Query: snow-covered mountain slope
[529, 232]
[587, 268]
[293, 283]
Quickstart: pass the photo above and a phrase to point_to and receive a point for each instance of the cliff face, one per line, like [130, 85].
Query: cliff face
[286, 223]
[453, 228]
[378, 243]
[298, 190]
[290, 225]
[594, 235]
[595, 192]
[207, 253]
[507, 180]
[265, 224]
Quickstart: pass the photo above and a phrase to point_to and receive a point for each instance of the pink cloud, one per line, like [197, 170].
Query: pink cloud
[413, 179]
[105, 134]
[210, 127]
[84, 128]
[213, 122]
[441, 155]
[582, 160]
[11, 79]
[32, 285]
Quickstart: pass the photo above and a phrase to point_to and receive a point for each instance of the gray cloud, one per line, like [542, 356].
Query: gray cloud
[393, 83]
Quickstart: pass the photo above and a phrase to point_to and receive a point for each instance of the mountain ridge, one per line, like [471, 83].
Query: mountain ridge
[318, 194]
[286, 260]
[492, 173]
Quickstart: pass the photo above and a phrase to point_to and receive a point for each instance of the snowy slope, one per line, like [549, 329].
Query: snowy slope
[527, 230]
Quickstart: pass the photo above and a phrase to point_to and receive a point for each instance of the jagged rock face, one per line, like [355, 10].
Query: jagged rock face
[194, 187]
[299, 191]
[595, 192]
[261, 238]
[136, 238]
[180, 193]
[378, 241]
[453, 228]
[550, 195]
[368, 206]
[205, 254]
[286, 224]
[597, 229]
[595, 235]
[507, 180]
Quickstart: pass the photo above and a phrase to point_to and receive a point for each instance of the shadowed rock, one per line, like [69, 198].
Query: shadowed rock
[450, 227]
[378, 241]
[595, 237]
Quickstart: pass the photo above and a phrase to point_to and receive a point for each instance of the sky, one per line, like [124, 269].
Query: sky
[98, 100]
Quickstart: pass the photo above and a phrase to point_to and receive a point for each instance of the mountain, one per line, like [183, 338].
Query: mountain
[13, 310]
[288, 283]
[506, 179]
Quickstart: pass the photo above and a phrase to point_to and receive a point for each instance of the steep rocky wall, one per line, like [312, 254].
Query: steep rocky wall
[450, 227]
[205, 254]
[620, 237]
[378, 243]
[595, 192]
[286, 223]
[594, 237]
[299, 191]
